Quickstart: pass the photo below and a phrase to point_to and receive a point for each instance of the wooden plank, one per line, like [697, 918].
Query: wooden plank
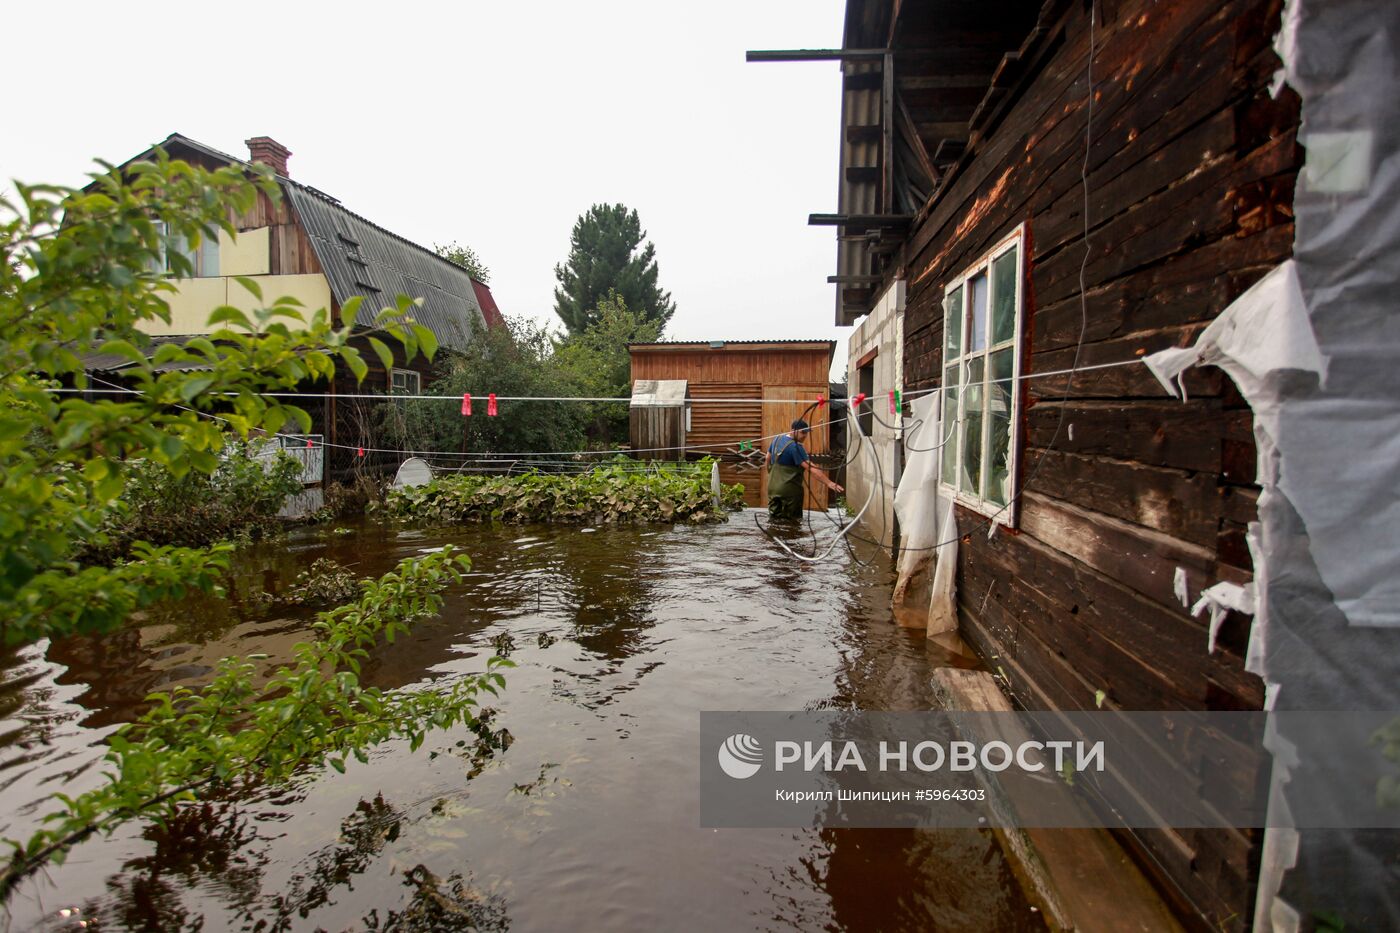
[1080, 878]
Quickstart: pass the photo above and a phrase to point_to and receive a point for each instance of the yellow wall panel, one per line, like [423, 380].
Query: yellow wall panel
[249, 254]
[192, 303]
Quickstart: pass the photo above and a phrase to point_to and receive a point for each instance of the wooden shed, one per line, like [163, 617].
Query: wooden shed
[736, 388]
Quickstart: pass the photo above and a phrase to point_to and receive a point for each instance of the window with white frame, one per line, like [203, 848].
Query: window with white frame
[403, 382]
[202, 259]
[981, 378]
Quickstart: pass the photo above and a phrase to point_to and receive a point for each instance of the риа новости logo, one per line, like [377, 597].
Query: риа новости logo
[740, 756]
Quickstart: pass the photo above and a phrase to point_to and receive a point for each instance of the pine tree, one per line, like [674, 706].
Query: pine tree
[607, 255]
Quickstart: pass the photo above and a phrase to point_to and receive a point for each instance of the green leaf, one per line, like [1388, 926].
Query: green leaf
[195, 385]
[350, 310]
[427, 340]
[227, 314]
[386, 356]
[357, 365]
[251, 285]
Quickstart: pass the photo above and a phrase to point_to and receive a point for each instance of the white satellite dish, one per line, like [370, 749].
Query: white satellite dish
[413, 472]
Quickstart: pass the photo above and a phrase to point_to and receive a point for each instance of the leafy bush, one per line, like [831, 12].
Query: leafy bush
[607, 495]
[239, 499]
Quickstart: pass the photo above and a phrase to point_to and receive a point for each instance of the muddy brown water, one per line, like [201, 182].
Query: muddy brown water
[589, 820]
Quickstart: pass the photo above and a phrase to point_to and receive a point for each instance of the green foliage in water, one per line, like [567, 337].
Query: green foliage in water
[607, 495]
[85, 272]
[245, 729]
[239, 500]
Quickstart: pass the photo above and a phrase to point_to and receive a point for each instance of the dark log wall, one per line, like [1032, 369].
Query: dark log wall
[1190, 177]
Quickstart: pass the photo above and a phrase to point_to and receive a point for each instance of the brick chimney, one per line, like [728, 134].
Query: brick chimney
[269, 152]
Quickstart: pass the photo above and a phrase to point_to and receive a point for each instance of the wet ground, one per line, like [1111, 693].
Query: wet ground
[590, 819]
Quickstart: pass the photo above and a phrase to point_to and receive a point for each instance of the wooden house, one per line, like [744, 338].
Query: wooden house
[726, 379]
[1059, 186]
[308, 245]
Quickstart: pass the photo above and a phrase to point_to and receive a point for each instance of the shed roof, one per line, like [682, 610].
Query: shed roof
[748, 345]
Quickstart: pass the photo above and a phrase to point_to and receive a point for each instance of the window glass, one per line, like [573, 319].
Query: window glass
[208, 255]
[403, 382]
[970, 477]
[1004, 297]
[952, 324]
[178, 245]
[999, 395]
[977, 339]
[949, 450]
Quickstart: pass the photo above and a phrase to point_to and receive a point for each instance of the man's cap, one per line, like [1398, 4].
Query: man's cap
[800, 425]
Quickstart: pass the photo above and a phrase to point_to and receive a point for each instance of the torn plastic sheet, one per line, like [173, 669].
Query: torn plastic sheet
[1326, 550]
[1181, 587]
[926, 518]
[1220, 599]
[1333, 455]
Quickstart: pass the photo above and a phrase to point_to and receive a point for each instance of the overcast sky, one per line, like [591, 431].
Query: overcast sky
[494, 124]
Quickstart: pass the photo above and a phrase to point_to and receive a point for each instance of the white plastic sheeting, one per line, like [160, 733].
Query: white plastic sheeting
[928, 556]
[1314, 348]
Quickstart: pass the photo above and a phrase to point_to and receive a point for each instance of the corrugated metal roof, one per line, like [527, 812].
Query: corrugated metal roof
[115, 362]
[362, 258]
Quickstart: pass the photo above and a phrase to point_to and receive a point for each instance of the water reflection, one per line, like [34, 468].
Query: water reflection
[590, 818]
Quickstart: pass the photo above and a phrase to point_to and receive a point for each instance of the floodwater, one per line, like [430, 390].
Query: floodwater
[590, 818]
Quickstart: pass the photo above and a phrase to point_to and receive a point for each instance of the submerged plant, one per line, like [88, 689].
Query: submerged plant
[244, 730]
[325, 582]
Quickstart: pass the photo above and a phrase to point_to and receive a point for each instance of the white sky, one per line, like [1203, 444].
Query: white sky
[492, 123]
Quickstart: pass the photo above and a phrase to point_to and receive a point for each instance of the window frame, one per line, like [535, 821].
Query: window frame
[981, 502]
[417, 382]
[201, 257]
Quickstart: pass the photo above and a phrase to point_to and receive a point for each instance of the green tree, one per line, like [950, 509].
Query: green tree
[607, 255]
[598, 362]
[517, 360]
[78, 275]
[466, 257]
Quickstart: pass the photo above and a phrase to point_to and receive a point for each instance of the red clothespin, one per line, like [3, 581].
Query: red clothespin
[893, 410]
[360, 452]
[821, 400]
[308, 442]
[466, 403]
[491, 404]
[855, 402]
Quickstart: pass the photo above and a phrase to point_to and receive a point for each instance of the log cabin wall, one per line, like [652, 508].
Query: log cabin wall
[735, 370]
[1190, 176]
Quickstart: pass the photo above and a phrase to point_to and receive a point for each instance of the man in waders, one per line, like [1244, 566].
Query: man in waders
[786, 461]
